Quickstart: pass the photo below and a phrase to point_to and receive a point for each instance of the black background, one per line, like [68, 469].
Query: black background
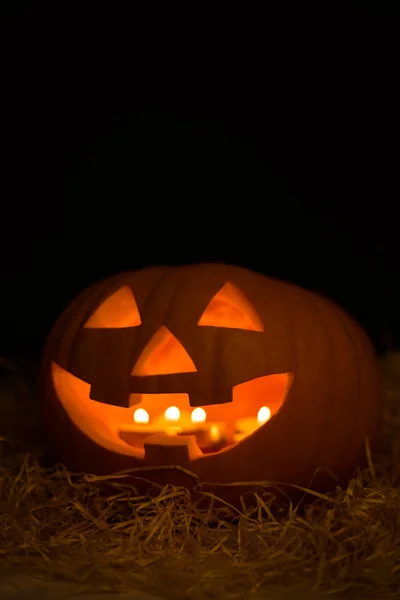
[176, 138]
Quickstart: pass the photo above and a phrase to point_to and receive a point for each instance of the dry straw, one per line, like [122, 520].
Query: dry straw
[65, 526]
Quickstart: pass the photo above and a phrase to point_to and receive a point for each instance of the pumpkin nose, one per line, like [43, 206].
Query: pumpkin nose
[165, 367]
[163, 355]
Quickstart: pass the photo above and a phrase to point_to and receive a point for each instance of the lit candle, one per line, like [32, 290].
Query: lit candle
[209, 436]
[247, 426]
[173, 415]
[135, 434]
[216, 438]
[141, 416]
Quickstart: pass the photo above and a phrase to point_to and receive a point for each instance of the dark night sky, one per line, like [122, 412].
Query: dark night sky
[115, 162]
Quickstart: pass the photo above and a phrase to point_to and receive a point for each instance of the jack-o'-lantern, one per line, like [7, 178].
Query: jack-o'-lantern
[234, 376]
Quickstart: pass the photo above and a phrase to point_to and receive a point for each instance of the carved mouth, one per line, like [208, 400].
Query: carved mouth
[113, 427]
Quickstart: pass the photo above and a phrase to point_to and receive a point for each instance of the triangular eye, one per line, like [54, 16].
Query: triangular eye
[230, 308]
[163, 355]
[117, 311]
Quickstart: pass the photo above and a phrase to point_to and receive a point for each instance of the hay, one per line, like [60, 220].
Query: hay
[63, 526]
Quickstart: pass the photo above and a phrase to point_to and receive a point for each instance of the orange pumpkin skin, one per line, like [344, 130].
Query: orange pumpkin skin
[262, 330]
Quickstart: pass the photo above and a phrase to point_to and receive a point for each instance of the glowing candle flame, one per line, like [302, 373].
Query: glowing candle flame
[263, 415]
[198, 415]
[172, 413]
[214, 433]
[141, 416]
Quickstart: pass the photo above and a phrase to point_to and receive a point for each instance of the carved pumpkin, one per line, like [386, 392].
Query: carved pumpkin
[227, 373]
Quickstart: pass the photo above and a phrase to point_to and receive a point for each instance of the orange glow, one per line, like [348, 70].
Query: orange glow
[163, 354]
[116, 428]
[173, 430]
[230, 308]
[117, 311]
[256, 393]
[198, 415]
[99, 422]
